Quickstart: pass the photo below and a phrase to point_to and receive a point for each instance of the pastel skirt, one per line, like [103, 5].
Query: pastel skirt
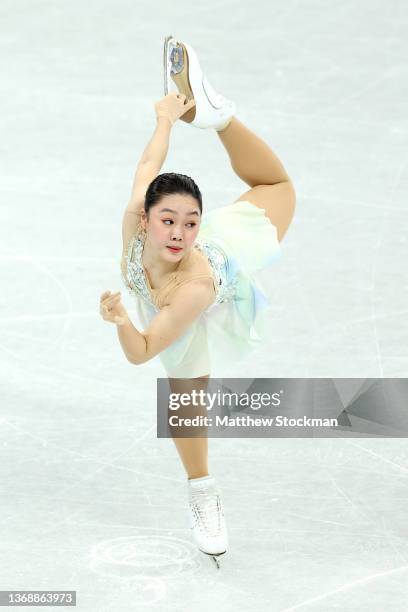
[228, 331]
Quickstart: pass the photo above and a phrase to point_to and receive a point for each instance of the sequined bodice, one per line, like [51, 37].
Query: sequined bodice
[135, 279]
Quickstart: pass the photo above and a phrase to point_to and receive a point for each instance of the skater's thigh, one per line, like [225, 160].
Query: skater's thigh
[189, 409]
[277, 200]
[187, 385]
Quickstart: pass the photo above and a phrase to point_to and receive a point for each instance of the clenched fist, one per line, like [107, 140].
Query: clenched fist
[111, 309]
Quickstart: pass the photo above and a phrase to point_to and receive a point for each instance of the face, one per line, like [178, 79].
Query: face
[173, 221]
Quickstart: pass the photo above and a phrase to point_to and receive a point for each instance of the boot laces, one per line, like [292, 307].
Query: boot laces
[207, 509]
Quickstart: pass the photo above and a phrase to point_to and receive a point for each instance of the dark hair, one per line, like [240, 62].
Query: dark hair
[168, 183]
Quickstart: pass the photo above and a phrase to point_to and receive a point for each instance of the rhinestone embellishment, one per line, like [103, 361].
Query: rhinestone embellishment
[135, 279]
[219, 263]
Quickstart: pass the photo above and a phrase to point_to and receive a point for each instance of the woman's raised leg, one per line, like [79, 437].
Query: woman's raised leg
[258, 166]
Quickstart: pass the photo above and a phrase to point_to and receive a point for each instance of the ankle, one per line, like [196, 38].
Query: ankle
[199, 476]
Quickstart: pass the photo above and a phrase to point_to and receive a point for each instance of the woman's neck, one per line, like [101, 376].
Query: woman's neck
[156, 265]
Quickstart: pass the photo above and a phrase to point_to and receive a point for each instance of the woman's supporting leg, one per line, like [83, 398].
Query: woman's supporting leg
[258, 166]
[193, 451]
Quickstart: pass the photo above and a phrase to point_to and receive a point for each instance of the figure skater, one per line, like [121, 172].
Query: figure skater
[192, 275]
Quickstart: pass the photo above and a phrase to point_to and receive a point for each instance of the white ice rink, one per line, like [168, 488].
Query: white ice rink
[91, 500]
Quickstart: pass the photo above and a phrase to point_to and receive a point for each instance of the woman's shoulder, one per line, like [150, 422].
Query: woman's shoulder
[200, 289]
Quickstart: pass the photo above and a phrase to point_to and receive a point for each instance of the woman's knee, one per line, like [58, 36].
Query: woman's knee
[278, 201]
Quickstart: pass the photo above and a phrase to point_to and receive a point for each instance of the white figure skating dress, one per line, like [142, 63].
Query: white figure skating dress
[233, 243]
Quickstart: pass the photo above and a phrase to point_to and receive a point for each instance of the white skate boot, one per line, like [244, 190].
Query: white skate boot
[207, 517]
[183, 73]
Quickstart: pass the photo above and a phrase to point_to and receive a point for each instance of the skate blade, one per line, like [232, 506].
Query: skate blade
[166, 63]
[176, 68]
[215, 557]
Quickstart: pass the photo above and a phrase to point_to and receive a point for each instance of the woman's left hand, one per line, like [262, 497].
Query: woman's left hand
[173, 106]
[111, 309]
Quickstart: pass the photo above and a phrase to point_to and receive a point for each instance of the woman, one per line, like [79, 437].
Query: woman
[192, 274]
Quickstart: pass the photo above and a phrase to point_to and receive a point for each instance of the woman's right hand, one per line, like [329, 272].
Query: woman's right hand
[173, 106]
[111, 309]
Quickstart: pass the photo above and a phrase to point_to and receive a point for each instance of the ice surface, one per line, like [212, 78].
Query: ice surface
[91, 500]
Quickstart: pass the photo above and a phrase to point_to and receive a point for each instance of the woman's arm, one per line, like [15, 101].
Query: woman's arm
[172, 321]
[148, 168]
[156, 149]
[168, 110]
[132, 341]
[150, 163]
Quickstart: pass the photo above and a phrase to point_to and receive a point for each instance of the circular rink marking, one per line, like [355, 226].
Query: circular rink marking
[147, 557]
